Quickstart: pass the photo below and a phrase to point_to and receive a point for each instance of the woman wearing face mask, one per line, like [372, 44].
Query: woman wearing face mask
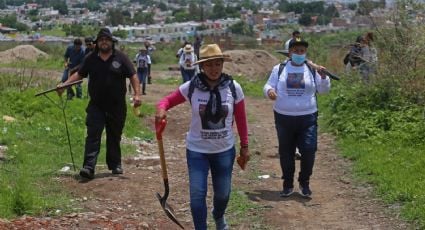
[295, 112]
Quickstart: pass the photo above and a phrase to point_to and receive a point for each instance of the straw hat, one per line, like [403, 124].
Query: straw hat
[188, 48]
[211, 52]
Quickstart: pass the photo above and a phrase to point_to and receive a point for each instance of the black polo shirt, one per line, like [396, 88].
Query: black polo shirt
[107, 84]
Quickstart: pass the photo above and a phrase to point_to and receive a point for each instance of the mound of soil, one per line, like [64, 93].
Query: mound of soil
[256, 64]
[21, 52]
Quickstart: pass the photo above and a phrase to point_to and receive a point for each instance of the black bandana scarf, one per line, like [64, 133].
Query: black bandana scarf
[214, 109]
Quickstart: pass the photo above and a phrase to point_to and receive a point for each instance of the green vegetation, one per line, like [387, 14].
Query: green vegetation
[380, 123]
[38, 147]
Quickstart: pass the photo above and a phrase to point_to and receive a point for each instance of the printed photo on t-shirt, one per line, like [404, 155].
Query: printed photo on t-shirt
[213, 121]
[295, 84]
[188, 60]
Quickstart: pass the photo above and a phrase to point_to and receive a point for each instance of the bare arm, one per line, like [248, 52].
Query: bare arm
[74, 77]
[135, 84]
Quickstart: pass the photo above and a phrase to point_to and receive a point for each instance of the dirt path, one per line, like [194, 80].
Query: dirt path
[128, 201]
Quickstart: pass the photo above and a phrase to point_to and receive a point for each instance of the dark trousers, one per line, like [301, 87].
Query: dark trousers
[296, 132]
[96, 120]
[69, 91]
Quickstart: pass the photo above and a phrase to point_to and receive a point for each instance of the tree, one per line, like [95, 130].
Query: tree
[93, 5]
[162, 6]
[33, 12]
[305, 20]
[331, 11]
[218, 10]
[181, 16]
[115, 17]
[242, 28]
[143, 18]
[120, 33]
[352, 6]
[61, 6]
[194, 11]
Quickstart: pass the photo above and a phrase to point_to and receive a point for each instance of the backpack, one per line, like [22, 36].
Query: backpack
[231, 86]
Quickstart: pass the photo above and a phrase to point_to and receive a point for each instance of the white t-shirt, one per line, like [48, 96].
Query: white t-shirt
[287, 44]
[187, 59]
[142, 61]
[296, 89]
[205, 135]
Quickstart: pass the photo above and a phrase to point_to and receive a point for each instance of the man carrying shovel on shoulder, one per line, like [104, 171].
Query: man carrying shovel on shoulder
[108, 69]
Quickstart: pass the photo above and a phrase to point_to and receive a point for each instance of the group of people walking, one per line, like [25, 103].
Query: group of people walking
[362, 56]
[216, 101]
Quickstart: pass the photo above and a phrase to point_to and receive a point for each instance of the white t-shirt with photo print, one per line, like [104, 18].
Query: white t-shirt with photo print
[207, 135]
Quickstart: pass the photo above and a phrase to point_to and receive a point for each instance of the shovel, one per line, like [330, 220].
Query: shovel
[160, 126]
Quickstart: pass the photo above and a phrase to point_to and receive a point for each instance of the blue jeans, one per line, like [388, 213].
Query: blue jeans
[187, 74]
[296, 132]
[142, 74]
[221, 165]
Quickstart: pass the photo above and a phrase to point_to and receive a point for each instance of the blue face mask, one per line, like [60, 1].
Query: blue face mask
[298, 59]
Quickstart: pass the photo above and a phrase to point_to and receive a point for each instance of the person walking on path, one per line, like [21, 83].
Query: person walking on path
[74, 55]
[296, 34]
[187, 58]
[197, 45]
[89, 45]
[143, 63]
[216, 100]
[295, 112]
[108, 69]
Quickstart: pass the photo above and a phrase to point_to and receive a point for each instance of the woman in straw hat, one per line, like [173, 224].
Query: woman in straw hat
[216, 100]
[186, 62]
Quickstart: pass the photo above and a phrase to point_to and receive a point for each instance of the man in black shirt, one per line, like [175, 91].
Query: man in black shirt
[108, 69]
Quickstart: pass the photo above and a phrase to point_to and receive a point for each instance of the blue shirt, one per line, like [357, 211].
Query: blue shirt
[75, 57]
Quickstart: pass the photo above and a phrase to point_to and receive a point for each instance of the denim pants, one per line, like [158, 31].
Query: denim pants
[187, 74]
[221, 165]
[296, 132]
[69, 91]
[97, 120]
[142, 74]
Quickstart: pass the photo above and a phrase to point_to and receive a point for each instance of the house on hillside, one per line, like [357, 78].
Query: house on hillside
[7, 30]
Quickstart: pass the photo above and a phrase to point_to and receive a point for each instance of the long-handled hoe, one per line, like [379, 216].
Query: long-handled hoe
[160, 126]
[62, 106]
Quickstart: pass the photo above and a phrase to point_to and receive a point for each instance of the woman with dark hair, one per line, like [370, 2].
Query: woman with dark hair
[216, 101]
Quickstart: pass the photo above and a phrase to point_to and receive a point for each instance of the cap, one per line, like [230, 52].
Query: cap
[298, 42]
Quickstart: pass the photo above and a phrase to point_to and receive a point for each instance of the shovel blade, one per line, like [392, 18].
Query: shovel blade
[169, 211]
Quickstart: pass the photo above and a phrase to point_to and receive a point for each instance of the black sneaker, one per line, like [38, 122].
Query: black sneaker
[87, 173]
[305, 189]
[117, 170]
[286, 192]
